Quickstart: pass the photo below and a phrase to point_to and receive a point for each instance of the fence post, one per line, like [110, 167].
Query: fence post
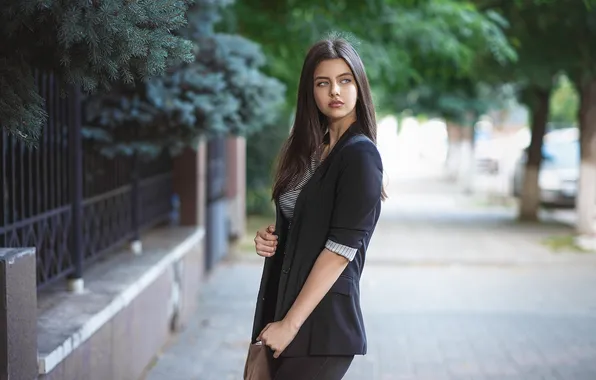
[76, 283]
[136, 246]
[189, 182]
[18, 314]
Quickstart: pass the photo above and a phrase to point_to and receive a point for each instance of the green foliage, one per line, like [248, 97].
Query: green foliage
[548, 45]
[564, 103]
[535, 32]
[401, 42]
[85, 43]
[21, 108]
[222, 92]
[261, 153]
[578, 59]
[459, 101]
[258, 201]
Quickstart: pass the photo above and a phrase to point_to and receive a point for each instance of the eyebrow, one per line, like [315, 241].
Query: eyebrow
[340, 75]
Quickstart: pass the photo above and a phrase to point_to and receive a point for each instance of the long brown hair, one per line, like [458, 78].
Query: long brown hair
[310, 125]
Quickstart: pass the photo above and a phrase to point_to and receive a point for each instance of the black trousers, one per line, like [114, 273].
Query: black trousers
[311, 367]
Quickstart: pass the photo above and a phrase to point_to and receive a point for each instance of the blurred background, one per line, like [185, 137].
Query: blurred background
[138, 145]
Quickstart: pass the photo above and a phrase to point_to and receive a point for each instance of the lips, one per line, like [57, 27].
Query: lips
[336, 104]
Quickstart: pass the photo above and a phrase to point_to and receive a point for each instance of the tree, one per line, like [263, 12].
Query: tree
[221, 92]
[564, 104]
[579, 26]
[545, 51]
[261, 154]
[402, 43]
[91, 44]
[536, 98]
[535, 32]
[460, 102]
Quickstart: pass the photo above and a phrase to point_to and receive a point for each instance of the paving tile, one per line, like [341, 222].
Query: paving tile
[450, 321]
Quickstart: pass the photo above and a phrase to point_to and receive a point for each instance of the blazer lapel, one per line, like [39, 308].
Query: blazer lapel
[321, 170]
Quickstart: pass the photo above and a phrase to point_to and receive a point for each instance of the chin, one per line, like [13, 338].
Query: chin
[336, 114]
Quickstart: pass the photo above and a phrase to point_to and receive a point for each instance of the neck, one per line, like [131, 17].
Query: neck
[338, 127]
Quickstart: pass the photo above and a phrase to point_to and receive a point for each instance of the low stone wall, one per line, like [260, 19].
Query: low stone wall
[130, 308]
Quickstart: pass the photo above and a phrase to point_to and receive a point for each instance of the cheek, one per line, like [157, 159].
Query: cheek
[352, 94]
[320, 98]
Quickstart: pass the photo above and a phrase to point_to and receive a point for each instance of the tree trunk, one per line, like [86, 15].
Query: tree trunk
[467, 163]
[586, 195]
[530, 196]
[453, 150]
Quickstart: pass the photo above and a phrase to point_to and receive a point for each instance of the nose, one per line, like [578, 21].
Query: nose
[334, 89]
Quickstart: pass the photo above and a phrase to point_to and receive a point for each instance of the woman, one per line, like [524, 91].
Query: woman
[327, 191]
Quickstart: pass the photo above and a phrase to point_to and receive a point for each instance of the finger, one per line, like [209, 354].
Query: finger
[264, 238]
[260, 337]
[267, 236]
[271, 229]
[276, 354]
[265, 248]
[267, 243]
[266, 326]
[265, 254]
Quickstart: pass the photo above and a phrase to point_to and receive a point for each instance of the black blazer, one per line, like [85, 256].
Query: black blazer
[341, 202]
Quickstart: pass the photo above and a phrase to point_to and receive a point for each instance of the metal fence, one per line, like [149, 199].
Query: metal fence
[70, 202]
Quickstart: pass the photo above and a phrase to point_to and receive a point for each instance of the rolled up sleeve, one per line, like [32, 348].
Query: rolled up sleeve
[358, 192]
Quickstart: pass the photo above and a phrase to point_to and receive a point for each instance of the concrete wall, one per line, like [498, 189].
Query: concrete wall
[126, 345]
[18, 317]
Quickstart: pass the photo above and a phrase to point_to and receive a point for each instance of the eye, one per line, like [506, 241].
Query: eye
[320, 84]
[346, 80]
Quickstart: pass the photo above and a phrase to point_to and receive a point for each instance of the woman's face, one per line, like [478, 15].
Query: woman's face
[335, 89]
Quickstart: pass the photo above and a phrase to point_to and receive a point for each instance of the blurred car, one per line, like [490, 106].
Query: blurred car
[559, 172]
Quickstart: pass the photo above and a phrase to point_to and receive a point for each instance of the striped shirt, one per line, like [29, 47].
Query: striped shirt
[287, 202]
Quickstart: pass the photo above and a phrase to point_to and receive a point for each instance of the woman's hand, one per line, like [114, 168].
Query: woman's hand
[266, 241]
[278, 335]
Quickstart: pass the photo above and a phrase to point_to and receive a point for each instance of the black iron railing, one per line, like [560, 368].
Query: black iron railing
[69, 201]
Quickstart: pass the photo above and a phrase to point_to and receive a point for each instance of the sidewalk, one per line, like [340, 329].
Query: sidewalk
[450, 292]
[429, 222]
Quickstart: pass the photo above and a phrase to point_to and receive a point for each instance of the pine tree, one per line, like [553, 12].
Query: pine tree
[22, 110]
[221, 92]
[86, 43]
